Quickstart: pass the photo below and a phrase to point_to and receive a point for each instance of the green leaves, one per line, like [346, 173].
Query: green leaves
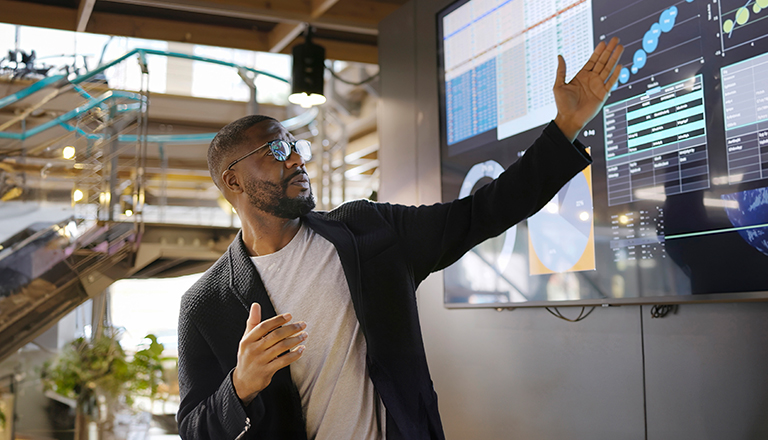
[148, 368]
[86, 369]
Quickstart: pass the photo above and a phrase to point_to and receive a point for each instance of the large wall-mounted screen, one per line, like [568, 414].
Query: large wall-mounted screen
[674, 207]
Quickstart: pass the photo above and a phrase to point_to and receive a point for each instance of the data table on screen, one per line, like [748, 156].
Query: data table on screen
[656, 143]
[745, 107]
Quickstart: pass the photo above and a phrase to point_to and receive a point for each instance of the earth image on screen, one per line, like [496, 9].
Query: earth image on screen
[752, 211]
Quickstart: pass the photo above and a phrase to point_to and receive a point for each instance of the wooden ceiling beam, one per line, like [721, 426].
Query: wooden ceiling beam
[283, 11]
[366, 13]
[342, 50]
[284, 33]
[84, 10]
[170, 30]
[320, 7]
[56, 17]
[34, 14]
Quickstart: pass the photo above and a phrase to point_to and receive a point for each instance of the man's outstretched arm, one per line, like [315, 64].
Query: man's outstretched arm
[436, 236]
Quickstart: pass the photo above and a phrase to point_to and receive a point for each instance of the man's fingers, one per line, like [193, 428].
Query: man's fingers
[610, 67]
[605, 54]
[286, 359]
[264, 327]
[560, 77]
[254, 317]
[594, 57]
[284, 345]
[614, 77]
[283, 332]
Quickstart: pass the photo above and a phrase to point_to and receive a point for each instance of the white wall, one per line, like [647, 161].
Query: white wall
[524, 374]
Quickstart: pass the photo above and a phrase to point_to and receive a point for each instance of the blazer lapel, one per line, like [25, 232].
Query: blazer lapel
[245, 281]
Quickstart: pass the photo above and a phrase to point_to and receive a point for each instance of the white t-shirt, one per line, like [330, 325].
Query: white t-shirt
[305, 279]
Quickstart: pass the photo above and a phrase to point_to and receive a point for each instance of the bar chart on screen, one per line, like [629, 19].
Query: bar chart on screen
[660, 41]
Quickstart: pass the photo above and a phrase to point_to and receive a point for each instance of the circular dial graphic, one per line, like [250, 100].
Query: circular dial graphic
[493, 170]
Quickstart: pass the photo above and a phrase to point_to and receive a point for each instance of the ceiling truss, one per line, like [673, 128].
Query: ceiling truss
[347, 29]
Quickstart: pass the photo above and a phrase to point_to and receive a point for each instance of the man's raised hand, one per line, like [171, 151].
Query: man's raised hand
[579, 100]
[262, 351]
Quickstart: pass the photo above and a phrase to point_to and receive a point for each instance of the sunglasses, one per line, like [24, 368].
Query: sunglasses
[281, 150]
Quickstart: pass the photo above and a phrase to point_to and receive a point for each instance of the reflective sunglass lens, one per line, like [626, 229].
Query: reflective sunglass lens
[280, 150]
[304, 148]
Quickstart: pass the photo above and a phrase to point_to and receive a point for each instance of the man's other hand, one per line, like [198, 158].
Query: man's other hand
[582, 98]
[265, 348]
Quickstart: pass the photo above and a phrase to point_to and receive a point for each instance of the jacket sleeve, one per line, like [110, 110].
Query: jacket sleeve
[210, 408]
[436, 236]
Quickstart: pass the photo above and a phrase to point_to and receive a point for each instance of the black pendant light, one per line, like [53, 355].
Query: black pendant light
[308, 69]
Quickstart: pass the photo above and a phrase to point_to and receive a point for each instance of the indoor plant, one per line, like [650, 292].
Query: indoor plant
[99, 376]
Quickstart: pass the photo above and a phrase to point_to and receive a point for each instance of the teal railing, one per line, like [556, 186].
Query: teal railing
[63, 120]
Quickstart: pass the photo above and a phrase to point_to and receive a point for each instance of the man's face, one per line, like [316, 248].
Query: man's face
[278, 188]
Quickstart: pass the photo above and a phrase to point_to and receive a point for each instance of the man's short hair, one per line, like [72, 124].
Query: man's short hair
[228, 139]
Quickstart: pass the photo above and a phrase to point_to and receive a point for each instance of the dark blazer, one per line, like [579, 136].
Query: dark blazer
[385, 251]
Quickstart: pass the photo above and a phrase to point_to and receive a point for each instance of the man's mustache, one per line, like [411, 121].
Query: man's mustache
[298, 172]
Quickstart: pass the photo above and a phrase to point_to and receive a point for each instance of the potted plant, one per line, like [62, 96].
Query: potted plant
[98, 376]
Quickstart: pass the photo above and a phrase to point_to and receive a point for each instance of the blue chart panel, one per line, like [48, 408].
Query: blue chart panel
[485, 84]
[560, 232]
[651, 41]
[459, 99]
[471, 102]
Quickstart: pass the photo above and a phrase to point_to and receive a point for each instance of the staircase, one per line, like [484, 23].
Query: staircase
[47, 269]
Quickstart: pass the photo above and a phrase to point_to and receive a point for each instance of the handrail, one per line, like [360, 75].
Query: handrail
[23, 93]
[170, 138]
[35, 236]
[294, 122]
[166, 53]
[61, 120]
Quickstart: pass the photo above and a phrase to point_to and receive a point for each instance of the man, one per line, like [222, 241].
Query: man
[247, 367]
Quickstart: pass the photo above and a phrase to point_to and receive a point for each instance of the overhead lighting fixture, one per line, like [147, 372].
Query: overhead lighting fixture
[77, 195]
[68, 152]
[308, 69]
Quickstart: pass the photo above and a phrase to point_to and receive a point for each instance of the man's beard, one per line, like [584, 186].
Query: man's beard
[273, 198]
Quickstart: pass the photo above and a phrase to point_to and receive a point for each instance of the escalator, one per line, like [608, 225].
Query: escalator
[46, 271]
[42, 269]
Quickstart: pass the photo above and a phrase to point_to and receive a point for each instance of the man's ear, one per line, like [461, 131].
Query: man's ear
[231, 181]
